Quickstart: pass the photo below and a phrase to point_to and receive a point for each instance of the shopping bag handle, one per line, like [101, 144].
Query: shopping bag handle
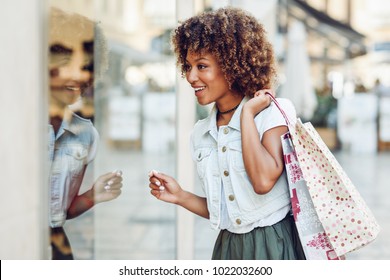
[279, 107]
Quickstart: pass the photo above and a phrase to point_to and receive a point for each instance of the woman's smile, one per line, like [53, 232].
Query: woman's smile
[199, 91]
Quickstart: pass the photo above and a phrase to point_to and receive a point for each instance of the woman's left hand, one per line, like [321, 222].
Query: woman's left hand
[108, 186]
[259, 102]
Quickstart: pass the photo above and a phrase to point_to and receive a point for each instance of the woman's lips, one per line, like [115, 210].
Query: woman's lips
[73, 88]
[199, 90]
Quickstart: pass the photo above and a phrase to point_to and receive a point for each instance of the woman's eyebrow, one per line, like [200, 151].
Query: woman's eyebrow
[198, 59]
[60, 49]
[201, 58]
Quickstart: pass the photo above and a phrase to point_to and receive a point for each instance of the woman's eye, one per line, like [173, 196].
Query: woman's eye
[201, 66]
[88, 67]
[59, 60]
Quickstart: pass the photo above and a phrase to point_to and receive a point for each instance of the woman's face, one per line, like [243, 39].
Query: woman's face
[206, 78]
[69, 74]
[71, 58]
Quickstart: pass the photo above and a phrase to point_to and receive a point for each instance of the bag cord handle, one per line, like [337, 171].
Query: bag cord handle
[280, 108]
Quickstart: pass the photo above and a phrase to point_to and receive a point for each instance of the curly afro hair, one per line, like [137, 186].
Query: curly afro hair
[67, 27]
[238, 42]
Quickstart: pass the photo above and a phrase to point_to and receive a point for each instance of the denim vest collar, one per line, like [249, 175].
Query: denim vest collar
[209, 125]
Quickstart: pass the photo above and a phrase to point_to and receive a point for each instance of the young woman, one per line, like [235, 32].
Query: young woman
[226, 58]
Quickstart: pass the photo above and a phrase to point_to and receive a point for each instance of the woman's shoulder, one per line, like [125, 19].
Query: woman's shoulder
[272, 116]
[286, 105]
[80, 120]
[203, 125]
[285, 102]
[84, 127]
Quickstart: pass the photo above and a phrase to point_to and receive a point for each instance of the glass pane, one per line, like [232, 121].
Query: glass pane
[73, 138]
[128, 95]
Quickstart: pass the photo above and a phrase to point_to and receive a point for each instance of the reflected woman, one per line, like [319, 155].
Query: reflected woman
[73, 139]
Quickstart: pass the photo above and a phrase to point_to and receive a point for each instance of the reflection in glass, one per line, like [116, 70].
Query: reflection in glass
[132, 106]
[73, 139]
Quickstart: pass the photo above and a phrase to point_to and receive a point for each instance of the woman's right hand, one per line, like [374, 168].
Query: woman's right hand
[164, 187]
[108, 186]
[259, 102]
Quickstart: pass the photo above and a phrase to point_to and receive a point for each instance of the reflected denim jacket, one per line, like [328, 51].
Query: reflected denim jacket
[70, 150]
[218, 157]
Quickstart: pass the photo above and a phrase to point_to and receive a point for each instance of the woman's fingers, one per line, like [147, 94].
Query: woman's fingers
[155, 184]
[113, 182]
[157, 178]
[159, 175]
[263, 92]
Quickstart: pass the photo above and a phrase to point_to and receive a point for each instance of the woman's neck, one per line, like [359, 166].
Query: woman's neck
[56, 122]
[224, 119]
[226, 110]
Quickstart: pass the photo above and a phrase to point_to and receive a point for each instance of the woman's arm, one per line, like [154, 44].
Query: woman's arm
[165, 188]
[263, 160]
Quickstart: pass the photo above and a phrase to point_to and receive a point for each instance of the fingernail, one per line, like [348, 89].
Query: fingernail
[158, 183]
[161, 188]
[107, 187]
[119, 173]
[152, 172]
[110, 183]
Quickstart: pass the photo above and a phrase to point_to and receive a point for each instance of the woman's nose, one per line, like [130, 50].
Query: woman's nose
[192, 76]
[74, 70]
[74, 73]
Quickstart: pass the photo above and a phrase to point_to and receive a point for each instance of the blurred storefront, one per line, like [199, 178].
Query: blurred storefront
[346, 58]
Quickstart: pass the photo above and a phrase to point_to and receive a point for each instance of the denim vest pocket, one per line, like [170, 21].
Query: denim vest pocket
[202, 156]
[236, 155]
[77, 157]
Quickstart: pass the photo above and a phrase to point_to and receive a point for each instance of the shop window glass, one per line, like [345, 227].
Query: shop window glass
[124, 83]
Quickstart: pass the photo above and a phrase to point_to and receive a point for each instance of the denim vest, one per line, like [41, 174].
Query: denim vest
[218, 157]
[70, 150]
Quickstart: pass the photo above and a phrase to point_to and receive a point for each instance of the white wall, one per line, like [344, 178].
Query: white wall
[185, 115]
[23, 126]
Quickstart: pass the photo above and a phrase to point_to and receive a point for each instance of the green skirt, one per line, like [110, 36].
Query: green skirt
[277, 242]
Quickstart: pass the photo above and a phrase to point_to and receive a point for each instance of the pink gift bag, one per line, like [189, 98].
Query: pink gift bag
[347, 221]
[314, 239]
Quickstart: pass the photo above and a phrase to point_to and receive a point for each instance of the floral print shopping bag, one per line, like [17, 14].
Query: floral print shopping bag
[314, 239]
[345, 217]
